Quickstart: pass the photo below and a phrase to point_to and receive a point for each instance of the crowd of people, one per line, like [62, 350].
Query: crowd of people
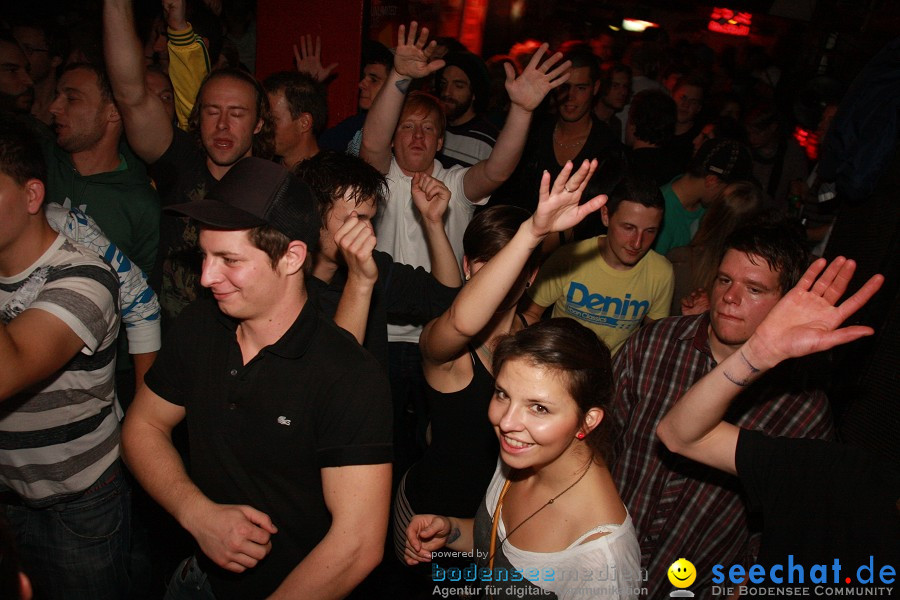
[529, 326]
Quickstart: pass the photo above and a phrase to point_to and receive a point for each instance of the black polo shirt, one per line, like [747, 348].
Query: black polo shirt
[260, 433]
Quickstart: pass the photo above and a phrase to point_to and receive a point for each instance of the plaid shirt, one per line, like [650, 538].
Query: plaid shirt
[682, 508]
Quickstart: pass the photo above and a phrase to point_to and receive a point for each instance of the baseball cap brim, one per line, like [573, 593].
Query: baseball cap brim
[217, 214]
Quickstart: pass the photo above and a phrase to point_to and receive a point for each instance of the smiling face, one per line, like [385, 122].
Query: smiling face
[80, 113]
[228, 120]
[240, 275]
[632, 229]
[575, 98]
[682, 573]
[374, 76]
[743, 293]
[416, 140]
[533, 414]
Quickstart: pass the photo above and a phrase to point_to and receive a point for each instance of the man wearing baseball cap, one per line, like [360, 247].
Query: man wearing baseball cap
[717, 163]
[289, 481]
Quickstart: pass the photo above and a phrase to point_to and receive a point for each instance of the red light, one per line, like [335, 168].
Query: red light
[808, 140]
[729, 22]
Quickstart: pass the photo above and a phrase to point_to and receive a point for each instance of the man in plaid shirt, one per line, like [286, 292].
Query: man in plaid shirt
[682, 508]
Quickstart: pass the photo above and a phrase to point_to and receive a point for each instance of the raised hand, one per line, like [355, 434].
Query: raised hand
[308, 58]
[414, 56]
[356, 240]
[235, 537]
[558, 207]
[174, 11]
[806, 319]
[537, 79]
[425, 534]
[430, 197]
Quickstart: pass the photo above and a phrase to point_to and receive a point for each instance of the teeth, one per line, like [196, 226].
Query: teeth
[515, 443]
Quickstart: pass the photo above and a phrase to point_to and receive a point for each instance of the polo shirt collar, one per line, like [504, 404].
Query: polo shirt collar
[295, 341]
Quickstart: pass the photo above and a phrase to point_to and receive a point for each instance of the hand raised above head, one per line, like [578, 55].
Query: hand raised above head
[414, 57]
[537, 79]
[308, 58]
[558, 207]
[807, 320]
[356, 241]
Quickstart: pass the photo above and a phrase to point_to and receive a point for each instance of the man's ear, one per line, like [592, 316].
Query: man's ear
[113, 116]
[597, 87]
[604, 215]
[306, 122]
[295, 256]
[35, 190]
[467, 268]
[259, 126]
[440, 143]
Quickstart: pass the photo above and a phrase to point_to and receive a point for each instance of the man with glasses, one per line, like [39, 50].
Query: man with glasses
[42, 52]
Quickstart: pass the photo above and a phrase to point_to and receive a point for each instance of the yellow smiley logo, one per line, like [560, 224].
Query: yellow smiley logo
[682, 573]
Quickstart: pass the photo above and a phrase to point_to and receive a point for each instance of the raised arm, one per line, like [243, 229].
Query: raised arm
[146, 123]
[188, 59]
[356, 241]
[234, 537]
[805, 321]
[358, 498]
[431, 198]
[413, 59]
[558, 209]
[526, 92]
[308, 58]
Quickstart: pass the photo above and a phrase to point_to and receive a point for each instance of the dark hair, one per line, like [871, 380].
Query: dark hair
[376, 53]
[491, 230]
[303, 94]
[607, 71]
[582, 361]
[778, 243]
[56, 42]
[271, 241]
[423, 102]
[102, 78]
[632, 188]
[653, 114]
[741, 203]
[331, 174]
[264, 141]
[21, 157]
[692, 80]
[581, 55]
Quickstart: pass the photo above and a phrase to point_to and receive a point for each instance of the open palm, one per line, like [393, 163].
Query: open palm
[413, 55]
[807, 319]
[558, 208]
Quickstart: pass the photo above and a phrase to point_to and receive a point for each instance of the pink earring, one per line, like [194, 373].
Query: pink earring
[580, 435]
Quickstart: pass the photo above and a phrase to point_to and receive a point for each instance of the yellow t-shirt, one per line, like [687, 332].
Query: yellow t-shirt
[580, 285]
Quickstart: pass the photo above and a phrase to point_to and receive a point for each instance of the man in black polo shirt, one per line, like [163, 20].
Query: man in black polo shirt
[290, 456]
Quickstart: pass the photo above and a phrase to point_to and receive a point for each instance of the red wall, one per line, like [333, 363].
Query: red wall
[280, 23]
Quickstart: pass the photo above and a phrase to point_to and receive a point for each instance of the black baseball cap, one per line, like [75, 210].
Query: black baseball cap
[728, 159]
[257, 192]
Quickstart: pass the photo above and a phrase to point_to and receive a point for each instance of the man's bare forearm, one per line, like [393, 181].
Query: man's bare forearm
[444, 267]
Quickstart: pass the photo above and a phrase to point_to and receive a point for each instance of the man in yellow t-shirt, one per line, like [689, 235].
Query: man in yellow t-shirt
[611, 283]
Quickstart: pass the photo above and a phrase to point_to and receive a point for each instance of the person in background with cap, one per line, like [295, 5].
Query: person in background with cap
[289, 485]
[682, 508]
[716, 164]
[464, 86]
